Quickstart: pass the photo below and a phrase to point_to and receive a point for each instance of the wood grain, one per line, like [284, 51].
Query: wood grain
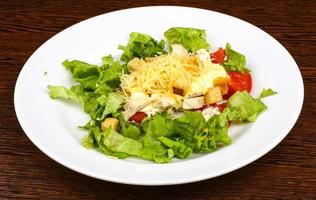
[287, 172]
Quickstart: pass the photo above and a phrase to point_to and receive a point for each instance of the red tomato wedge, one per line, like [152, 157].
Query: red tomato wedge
[138, 117]
[218, 56]
[238, 82]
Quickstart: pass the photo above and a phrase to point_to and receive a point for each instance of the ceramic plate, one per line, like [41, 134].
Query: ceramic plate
[52, 125]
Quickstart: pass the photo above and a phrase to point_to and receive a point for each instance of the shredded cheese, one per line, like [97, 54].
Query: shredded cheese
[158, 75]
[178, 79]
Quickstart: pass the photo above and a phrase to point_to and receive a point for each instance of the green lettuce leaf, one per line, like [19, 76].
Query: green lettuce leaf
[158, 126]
[191, 39]
[96, 138]
[212, 135]
[266, 93]
[111, 71]
[87, 142]
[189, 131]
[195, 119]
[85, 74]
[246, 107]
[75, 93]
[92, 77]
[118, 143]
[111, 103]
[156, 151]
[97, 84]
[141, 45]
[235, 60]
[130, 130]
[103, 89]
[108, 61]
[93, 108]
[218, 127]
[149, 149]
[114, 144]
[180, 150]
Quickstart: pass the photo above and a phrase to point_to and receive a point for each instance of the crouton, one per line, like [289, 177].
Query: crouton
[213, 95]
[222, 84]
[110, 122]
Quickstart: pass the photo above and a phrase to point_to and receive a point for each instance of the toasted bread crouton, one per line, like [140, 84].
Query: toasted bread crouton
[213, 95]
[110, 122]
[222, 84]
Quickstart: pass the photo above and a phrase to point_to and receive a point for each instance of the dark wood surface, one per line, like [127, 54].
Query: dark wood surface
[287, 172]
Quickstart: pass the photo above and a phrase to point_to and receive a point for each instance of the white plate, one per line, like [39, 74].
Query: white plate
[52, 125]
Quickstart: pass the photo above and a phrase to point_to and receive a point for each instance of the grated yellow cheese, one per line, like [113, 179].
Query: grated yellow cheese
[158, 75]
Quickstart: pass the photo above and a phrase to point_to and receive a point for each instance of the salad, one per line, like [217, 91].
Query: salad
[163, 99]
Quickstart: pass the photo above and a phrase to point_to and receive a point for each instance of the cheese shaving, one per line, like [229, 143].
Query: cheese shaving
[160, 74]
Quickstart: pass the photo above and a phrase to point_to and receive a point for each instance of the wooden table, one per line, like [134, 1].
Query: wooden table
[288, 171]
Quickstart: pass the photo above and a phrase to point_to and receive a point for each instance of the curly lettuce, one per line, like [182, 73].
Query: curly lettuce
[96, 91]
[191, 39]
[235, 61]
[141, 45]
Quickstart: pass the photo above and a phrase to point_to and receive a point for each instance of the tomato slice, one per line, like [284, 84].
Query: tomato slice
[218, 56]
[138, 117]
[238, 82]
